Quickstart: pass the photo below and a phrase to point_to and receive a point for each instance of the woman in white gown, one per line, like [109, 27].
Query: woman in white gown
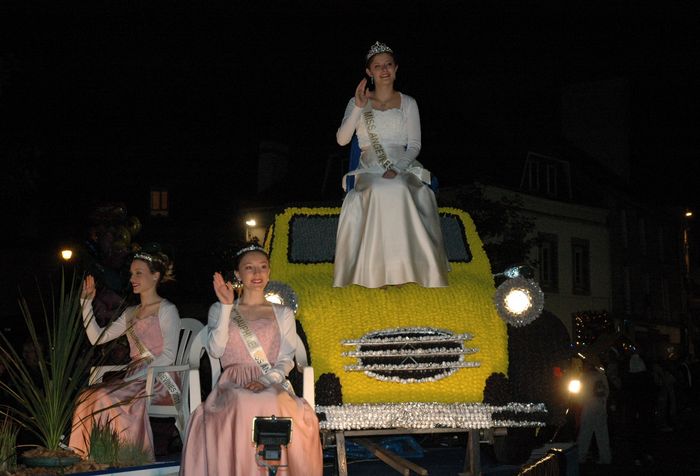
[389, 230]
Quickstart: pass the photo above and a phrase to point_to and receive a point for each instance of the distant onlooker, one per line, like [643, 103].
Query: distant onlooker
[594, 414]
[639, 391]
[684, 383]
[616, 398]
[665, 406]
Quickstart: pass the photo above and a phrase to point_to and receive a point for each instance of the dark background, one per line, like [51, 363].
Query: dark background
[102, 100]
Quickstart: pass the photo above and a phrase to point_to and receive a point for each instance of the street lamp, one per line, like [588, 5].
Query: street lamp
[249, 223]
[66, 254]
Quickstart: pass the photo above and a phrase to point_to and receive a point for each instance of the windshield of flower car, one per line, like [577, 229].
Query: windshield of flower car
[312, 238]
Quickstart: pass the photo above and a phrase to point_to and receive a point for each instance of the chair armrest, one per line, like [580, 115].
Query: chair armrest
[98, 373]
[308, 389]
[195, 390]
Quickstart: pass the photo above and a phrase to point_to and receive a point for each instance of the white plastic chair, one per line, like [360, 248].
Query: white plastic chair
[194, 382]
[189, 330]
[196, 350]
[309, 392]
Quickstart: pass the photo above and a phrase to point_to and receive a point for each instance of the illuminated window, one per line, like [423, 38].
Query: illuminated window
[159, 202]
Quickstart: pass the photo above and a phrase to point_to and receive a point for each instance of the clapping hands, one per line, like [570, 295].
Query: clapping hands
[224, 290]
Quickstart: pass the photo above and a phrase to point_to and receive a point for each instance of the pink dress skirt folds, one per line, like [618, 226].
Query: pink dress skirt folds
[123, 402]
[219, 437]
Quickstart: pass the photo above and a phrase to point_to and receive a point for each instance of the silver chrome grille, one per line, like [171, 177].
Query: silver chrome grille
[410, 354]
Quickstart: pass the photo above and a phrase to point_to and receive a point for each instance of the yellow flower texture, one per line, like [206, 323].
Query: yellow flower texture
[330, 315]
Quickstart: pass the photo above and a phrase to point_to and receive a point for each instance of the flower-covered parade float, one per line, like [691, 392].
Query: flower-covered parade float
[405, 358]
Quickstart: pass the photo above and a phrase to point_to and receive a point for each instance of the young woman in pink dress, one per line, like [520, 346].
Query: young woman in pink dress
[219, 437]
[153, 330]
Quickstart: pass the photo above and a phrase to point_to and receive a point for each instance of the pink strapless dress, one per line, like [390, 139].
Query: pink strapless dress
[219, 436]
[127, 400]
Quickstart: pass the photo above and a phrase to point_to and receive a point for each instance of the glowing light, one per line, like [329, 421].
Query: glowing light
[574, 386]
[280, 293]
[274, 298]
[249, 223]
[66, 254]
[518, 301]
[688, 213]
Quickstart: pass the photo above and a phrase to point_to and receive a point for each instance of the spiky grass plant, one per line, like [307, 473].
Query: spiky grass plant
[132, 454]
[8, 443]
[104, 443]
[107, 447]
[46, 407]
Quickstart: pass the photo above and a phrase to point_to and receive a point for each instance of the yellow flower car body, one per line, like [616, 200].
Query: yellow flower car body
[301, 246]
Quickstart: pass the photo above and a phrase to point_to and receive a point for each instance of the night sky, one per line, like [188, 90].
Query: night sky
[100, 99]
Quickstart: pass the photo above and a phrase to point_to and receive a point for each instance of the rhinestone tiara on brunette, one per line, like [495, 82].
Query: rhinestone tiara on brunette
[377, 48]
[142, 255]
[251, 248]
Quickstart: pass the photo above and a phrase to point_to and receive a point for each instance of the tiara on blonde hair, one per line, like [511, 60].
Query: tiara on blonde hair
[378, 47]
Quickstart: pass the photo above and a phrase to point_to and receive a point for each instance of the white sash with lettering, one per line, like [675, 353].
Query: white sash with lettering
[164, 377]
[378, 150]
[254, 347]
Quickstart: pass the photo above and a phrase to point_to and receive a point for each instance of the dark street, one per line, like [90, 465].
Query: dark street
[671, 453]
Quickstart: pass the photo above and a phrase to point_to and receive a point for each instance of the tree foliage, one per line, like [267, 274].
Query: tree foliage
[507, 233]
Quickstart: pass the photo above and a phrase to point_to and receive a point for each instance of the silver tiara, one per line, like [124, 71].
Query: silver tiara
[147, 257]
[377, 48]
[251, 248]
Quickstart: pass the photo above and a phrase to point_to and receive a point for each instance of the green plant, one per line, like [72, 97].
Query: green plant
[104, 443]
[132, 454]
[46, 406]
[106, 447]
[8, 443]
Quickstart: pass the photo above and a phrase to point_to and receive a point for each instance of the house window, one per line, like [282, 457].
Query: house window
[547, 176]
[580, 266]
[548, 256]
[533, 175]
[159, 202]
